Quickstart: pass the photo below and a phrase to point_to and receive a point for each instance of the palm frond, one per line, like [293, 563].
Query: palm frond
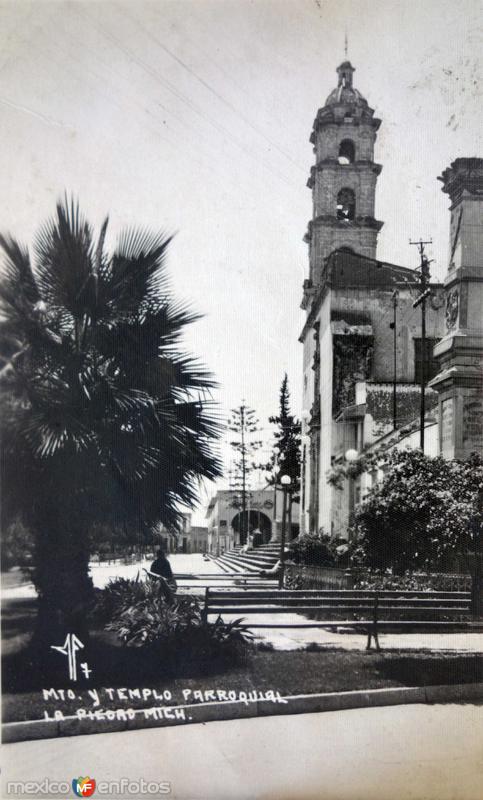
[99, 256]
[109, 413]
[64, 261]
[18, 281]
[137, 271]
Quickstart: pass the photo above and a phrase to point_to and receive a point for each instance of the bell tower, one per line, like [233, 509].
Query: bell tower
[343, 180]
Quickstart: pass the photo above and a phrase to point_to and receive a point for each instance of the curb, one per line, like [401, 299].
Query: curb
[230, 710]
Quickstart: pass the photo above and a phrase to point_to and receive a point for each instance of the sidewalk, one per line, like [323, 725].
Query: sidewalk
[430, 752]
[104, 572]
[296, 638]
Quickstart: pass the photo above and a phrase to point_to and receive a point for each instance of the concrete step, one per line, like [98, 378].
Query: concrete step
[224, 567]
[268, 548]
[259, 562]
[255, 551]
[238, 564]
[241, 564]
[268, 545]
[229, 564]
[259, 557]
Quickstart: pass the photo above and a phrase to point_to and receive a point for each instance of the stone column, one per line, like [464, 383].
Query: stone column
[459, 381]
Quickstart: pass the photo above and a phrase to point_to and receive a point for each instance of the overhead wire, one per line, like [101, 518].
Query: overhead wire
[215, 93]
[155, 128]
[154, 74]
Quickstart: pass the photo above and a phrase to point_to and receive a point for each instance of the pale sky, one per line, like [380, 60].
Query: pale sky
[195, 117]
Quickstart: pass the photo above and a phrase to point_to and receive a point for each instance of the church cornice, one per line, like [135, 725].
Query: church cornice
[328, 220]
[326, 117]
[463, 178]
[331, 164]
[342, 270]
[319, 294]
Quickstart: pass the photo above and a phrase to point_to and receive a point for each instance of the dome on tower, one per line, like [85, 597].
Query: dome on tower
[345, 94]
[344, 103]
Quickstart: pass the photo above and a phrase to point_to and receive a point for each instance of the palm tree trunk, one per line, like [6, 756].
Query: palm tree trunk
[65, 589]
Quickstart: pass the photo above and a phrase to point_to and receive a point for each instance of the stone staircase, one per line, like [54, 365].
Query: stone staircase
[263, 557]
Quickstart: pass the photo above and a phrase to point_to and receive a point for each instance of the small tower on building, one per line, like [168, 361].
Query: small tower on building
[343, 180]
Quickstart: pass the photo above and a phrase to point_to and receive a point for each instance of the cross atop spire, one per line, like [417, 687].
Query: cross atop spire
[346, 43]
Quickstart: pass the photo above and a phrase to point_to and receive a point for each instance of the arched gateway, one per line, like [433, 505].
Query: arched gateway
[256, 523]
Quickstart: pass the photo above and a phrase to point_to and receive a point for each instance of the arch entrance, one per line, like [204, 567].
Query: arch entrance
[256, 523]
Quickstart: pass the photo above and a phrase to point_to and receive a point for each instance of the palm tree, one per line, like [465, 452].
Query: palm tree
[104, 418]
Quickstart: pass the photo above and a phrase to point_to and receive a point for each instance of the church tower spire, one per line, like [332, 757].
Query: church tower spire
[343, 180]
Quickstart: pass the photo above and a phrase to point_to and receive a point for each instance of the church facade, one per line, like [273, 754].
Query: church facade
[363, 345]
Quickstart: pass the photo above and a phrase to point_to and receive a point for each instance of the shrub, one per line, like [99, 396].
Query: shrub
[314, 549]
[175, 634]
[116, 597]
[422, 516]
[293, 581]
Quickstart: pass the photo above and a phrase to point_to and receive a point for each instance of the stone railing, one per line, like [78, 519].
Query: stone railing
[430, 581]
[301, 576]
[446, 582]
[318, 577]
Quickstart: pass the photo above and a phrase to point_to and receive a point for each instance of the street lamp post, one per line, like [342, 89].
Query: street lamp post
[395, 296]
[276, 452]
[477, 521]
[285, 481]
[351, 457]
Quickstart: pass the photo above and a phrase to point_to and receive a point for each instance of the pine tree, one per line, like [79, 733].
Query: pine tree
[244, 424]
[285, 459]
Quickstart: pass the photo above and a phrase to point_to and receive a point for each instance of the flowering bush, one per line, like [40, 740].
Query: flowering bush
[421, 516]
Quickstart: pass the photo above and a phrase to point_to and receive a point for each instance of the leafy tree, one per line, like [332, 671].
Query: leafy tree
[285, 459]
[124, 539]
[422, 514]
[17, 545]
[104, 418]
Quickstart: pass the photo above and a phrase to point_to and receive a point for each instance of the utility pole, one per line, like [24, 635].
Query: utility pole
[244, 424]
[392, 325]
[244, 525]
[421, 300]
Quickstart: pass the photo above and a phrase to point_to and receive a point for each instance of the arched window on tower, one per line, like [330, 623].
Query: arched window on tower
[347, 152]
[346, 205]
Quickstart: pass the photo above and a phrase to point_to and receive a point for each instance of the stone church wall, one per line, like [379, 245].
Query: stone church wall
[376, 307]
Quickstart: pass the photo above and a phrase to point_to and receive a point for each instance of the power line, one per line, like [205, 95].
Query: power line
[215, 93]
[231, 138]
[158, 131]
